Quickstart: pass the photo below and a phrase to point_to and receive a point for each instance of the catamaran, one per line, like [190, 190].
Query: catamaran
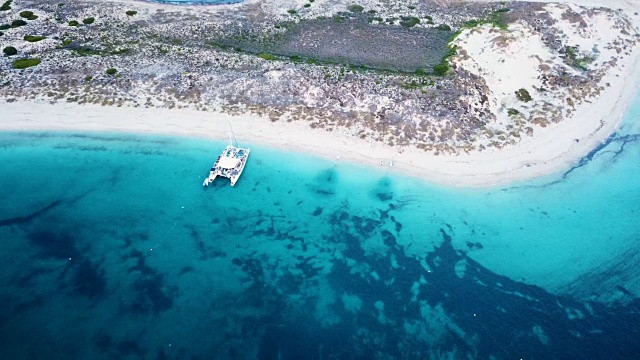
[230, 163]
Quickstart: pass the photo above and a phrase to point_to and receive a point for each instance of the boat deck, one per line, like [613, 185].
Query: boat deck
[229, 165]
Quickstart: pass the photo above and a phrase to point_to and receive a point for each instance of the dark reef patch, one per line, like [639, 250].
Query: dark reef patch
[383, 190]
[55, 244]
[603, 148]
[474, 245]
[324, 183]
[388, 238]
[118, 349]
[152, 295]
[185, 270]
[29, 217]
[89, 280]
[31, 278]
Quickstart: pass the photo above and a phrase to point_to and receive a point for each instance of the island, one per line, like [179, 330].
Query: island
[463, 93]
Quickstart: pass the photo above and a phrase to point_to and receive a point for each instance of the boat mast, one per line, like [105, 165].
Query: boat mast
[232, 136]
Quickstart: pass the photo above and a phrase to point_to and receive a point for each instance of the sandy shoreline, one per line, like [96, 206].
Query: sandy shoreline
[551, 149]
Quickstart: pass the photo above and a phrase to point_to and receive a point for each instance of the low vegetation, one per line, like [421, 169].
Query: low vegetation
[25, 63]
[523, 95]
[409, 21]
[355, 8]
[6, 6]
[26, 14]
[131, 12]
[267, 56]
[18, 23]
[34, 38]
[512, 112]
[351, 41]
[496, 18]
[112, 71]
[10, 51]
[74, 23]
[88, 21]
[443, 68]
[574, 59]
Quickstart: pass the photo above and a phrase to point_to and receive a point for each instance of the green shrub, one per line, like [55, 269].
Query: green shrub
[18, 23]
[88, 20]
[420, 72]
[26, 14]
[523, 95]
[73, 23]
[441, 69]
[355, 8]
[512, 112]
[111, 71]
[34, 38]
[267, 56]
[9, 51]
[472, 23]
[306, 5]
[409, 21]
[574, 60]
[443, 27]
[1, 33]
[503, 10]
[87, 51]
[88, 78]
[32, 17]
[292, 11]
[131, 12]
[5, 26]
[25, 63]
[6, 6]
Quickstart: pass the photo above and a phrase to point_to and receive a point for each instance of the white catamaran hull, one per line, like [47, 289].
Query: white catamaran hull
[235, 178]
[230, 163]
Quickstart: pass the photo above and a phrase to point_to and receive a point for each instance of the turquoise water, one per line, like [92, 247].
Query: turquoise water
[112, 249]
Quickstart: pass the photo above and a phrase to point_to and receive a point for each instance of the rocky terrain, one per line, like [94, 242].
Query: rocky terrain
[445, 78]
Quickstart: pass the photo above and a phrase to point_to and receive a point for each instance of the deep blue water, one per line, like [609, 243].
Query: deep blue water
[112, 249]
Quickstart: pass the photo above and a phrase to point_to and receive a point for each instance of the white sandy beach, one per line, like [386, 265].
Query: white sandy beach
[550, 150]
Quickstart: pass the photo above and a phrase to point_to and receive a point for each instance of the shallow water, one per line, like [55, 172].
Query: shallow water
[112, 249]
